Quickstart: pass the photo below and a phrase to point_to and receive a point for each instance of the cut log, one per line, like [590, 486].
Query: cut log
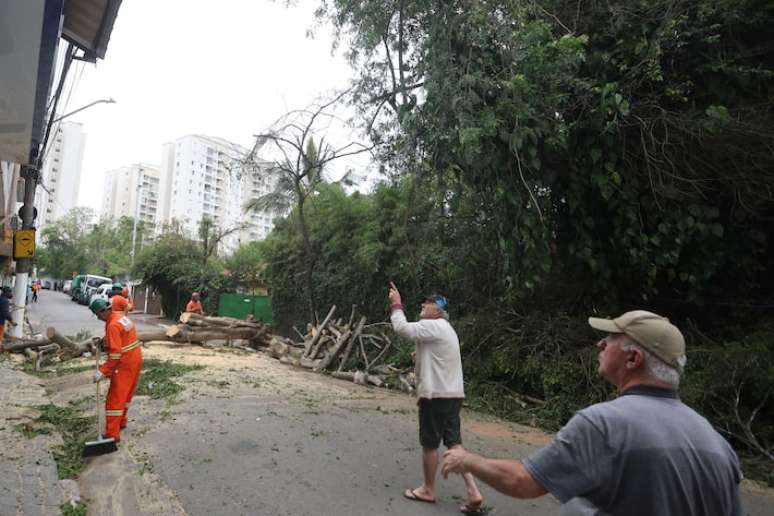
[278, 349]
[313, 345]
[22, 344]
[55, 336]
[153, 335]
[185, 333]
[45, 351]
[330, 355]
[355, 336]
[308, 362]
[148, 343]
[209, 320]
[69, 348]
[359, 377]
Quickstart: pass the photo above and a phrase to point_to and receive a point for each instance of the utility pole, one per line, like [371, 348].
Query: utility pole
[23, 265]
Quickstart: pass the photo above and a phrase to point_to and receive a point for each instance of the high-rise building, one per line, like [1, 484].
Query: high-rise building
[203, 176]
[131, 191]
[61, 174]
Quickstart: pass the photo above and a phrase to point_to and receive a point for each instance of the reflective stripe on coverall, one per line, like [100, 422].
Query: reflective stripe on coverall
[123, 368]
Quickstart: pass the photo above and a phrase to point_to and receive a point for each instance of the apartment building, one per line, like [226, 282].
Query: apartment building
[131, 191]
[61, 174]
[203, 176]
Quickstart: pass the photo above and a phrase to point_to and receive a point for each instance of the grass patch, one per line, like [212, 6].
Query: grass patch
[77, 509]
[156, 378]
[72, 425]
[53, 371]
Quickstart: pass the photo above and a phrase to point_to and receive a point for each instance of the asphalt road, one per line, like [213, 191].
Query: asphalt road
[68, 317]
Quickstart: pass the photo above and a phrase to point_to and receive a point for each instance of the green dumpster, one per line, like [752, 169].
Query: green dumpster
[241, 306]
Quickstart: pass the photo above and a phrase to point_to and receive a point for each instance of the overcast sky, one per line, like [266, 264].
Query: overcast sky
[175, 67]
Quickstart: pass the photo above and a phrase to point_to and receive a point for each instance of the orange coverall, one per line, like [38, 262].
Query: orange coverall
[195, 307]
[121, 304]
[123, 368]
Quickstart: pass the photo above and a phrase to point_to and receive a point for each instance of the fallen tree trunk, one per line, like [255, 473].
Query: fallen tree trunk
[65, 342]
[22, 344]
[209, 320]
[160, 342]
[151, 335]
[185, 333]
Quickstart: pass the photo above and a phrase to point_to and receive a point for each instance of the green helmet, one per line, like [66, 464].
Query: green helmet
[117, 287]
[99, 305]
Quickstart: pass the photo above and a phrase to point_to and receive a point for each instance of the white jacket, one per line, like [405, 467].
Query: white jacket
[439, 365]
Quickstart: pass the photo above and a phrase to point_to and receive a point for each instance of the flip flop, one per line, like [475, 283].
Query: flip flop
[467, 510]
[410, 494]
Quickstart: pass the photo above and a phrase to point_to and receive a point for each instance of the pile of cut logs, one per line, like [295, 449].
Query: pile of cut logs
[200, 329]
[337, 346]
[53, 347]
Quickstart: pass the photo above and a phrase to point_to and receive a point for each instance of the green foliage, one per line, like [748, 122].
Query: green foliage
[72, 245]
[246, 267]
[550, 161]
[176, 266]
[77, 509]
[74, 429]
[157, 376]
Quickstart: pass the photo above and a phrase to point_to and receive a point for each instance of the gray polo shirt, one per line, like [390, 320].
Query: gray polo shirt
[644, 453]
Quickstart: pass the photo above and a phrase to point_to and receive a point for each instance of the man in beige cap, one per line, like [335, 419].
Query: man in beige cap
[644, 453]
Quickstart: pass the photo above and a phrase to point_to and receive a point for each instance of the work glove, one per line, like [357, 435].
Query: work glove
[98, 376]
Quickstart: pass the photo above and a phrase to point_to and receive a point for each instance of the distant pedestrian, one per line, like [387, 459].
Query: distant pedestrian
[195, 305]
[6, 294]
[35, 289]
[29, 293]
[439, 388]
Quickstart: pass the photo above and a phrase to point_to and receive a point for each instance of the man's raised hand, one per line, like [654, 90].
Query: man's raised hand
[394, 295]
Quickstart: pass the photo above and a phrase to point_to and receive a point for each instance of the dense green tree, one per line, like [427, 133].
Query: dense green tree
[177, 265]
[75, 244]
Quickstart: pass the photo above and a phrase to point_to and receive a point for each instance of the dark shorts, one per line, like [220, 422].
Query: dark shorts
[439, 418]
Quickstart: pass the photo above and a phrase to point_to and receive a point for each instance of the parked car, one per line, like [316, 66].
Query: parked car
[90, 284]
[67, 286]
[101, 292]
[46, 284]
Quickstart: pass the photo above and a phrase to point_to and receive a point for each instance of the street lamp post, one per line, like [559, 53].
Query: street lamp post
[100, 101]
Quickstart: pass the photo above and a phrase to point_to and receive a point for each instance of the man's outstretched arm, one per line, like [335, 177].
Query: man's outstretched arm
[510, 477]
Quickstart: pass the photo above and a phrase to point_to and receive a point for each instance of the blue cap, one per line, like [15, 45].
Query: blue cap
[439, 300]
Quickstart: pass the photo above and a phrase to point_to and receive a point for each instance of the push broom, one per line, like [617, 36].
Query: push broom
[102, 445]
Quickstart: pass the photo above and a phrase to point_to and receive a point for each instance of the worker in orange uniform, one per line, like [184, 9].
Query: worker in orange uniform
[194, 305]
[122, 366]
[119, 301]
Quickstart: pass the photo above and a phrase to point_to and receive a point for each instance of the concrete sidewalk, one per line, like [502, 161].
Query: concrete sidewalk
[29, 485]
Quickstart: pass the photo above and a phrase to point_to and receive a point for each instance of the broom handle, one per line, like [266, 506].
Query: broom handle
[100, 425]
